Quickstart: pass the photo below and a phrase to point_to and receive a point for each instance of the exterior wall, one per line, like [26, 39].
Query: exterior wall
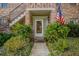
[1, 11]
[10, 7]
[22, 21]
[27, 18]
[40, 6]
[70, 12]
[53, 14]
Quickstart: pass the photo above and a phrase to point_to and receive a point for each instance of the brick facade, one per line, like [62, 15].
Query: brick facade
[69, 11]
[10, 7]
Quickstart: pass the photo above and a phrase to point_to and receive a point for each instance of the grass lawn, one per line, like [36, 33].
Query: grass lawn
[73, 49]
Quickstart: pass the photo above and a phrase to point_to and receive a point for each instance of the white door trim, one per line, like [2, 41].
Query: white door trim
[38, 34]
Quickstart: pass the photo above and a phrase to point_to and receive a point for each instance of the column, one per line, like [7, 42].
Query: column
[53, 14]
[27, 18]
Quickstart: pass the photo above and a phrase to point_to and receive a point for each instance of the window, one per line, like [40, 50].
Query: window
[3, 5]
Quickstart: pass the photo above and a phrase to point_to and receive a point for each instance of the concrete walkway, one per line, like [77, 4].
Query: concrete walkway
[39, 49]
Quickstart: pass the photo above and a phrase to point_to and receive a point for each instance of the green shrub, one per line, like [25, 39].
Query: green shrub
[13, 44]
[26, 31]
[16, 28]
[63, 31]
[74, 29]
[20, 43]
[58, 47]
[17, 46]
[51, 32]
[73, 47]
[21, 29]
[25, 51]
[56, 53]
[55, 31]
[4, 37]
[56, 34]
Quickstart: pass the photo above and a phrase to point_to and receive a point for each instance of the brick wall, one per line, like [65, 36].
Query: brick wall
[10, 7]
[70, 12]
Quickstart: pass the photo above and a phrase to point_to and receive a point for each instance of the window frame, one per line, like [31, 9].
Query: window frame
[3, 5]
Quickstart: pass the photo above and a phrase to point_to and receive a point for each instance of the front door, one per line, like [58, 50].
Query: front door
[38, 28]
[39, 25]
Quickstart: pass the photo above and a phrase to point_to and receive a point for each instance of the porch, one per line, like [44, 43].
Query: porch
[39, 20]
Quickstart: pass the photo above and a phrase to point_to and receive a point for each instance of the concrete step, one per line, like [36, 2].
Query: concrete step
[39, 39]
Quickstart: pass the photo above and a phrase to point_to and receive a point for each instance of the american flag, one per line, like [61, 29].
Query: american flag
[60, 17]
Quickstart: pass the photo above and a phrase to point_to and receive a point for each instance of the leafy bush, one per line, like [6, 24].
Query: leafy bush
[20, 43]
[63, 31]
[13, 44]
[55, 31]
[58, 47]
[4, 37]
[56, 34]
[16, 28]
[26, 31]
[74, 29]
[56, 53]
[17, 46]
[21, 29]
[25, 51]
[73, 47]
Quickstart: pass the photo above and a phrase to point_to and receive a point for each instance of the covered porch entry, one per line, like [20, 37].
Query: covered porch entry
[40, 20]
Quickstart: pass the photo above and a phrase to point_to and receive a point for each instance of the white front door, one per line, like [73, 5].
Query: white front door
[38, 27]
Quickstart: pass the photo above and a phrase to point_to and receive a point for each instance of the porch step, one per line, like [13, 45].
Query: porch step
[39, 39]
